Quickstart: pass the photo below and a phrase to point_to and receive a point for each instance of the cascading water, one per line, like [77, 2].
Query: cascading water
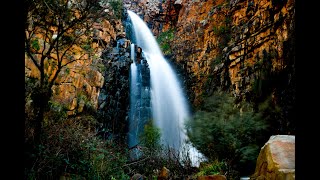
[169, 106]
[132, 136]
[132, 52]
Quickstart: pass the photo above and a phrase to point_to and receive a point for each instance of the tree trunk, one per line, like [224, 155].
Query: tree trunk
[41, 99]
[38, 124]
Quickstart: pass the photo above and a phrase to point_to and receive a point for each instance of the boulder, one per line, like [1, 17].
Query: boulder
[164, 174]
[276, 160]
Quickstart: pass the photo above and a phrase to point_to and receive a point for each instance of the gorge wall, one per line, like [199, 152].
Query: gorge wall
[245, 47]
[231, 41]
[80, 83]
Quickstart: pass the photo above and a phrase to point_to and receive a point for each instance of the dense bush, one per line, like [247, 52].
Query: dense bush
[70, 147]
[155, 156]
[212, 168]
[150, 138]
[224, 131]
[117, 7]
[165, 40]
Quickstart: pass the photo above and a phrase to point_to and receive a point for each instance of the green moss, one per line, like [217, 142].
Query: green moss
[165, 39]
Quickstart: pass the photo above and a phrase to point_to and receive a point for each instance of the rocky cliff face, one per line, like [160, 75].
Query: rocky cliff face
[244, 46]
[223, 43]
[79, 83]
[247, 47]
[149, 10]
[229, 37]
[114, 96]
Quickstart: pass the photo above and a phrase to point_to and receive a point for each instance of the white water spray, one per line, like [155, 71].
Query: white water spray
[132, 52]
[133, 89]
[169, 106]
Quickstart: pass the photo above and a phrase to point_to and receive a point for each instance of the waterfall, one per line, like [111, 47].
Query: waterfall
[140, 110]
[169, 106]
[132, 52]
[132, 136]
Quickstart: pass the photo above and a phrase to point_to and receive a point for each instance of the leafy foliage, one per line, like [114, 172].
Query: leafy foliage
[150, 137]
[165, 39]
[213, 168]
[226, 132]
[117, 7]
[273, 92]
[155, 156]
[220, 30]
[35, 44]
[70, 146]
[57, 33]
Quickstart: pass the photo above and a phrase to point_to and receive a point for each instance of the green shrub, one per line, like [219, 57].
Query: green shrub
[106, 160]
[213, 168]
[35, 44]
[150, 138]
[87, 47]
[164, 40]
[70, 146]
[226, 132]
[155, 156]
[117, 7]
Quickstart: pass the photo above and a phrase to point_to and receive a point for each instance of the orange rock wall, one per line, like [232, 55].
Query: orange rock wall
[230, 37]
[79, 83]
